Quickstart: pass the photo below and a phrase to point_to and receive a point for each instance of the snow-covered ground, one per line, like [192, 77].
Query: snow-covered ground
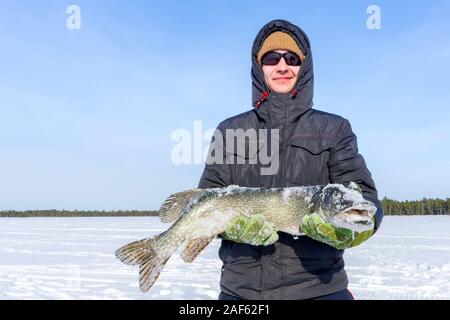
[73, 258]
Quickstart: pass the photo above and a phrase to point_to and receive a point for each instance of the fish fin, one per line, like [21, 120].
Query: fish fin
[136, 253]
[148, 254]
[149, 272]
[194, 248]
[173, 207]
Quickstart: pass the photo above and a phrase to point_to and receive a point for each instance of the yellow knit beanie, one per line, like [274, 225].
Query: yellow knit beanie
[279, 40]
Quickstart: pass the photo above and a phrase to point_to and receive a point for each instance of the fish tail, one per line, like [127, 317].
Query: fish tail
[150, 255]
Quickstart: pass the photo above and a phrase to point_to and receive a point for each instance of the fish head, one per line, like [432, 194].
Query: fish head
[344, 206]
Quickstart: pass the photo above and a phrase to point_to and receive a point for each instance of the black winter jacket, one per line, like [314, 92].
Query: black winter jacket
[315, 148]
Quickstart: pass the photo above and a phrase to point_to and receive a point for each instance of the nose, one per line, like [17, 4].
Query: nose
[282, 66]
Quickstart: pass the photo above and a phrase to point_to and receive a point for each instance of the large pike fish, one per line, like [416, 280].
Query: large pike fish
[202, 214]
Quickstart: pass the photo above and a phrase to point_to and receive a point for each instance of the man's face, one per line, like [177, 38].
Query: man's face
[281, 78]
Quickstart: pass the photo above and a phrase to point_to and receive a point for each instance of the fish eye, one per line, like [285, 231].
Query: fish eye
[332, 195]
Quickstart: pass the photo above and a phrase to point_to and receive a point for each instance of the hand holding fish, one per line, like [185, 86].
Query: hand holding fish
[340, 238]
[255, 230]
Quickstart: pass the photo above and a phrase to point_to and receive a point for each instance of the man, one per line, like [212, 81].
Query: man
[314, 148]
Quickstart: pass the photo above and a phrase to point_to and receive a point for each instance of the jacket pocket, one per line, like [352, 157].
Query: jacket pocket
[244, 149]
[315, 145]
[246, 157]
[308, 163]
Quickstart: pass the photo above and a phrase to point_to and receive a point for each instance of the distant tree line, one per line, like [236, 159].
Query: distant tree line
[76, 213]
[419, 207]
[390, 207]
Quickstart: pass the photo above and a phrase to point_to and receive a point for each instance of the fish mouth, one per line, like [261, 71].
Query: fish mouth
[357, 218]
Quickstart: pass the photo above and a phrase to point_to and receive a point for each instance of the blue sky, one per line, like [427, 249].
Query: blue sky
[87, 115]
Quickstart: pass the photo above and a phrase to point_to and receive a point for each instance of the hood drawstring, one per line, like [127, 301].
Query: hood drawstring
[294, 93]
[266, 94]
[261, 99]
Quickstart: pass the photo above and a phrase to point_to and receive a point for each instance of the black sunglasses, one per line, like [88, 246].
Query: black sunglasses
[272, 58]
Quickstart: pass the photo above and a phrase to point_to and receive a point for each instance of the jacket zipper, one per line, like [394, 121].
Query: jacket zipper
[283, 172]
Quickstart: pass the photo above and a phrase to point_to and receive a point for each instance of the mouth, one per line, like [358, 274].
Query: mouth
[282, 79]
[357, 218]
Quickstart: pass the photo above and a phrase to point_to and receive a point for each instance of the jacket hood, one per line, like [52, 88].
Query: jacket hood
[301, 98]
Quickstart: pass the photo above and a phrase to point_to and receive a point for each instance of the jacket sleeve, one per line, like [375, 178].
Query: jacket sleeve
[216, 174]
[346, 165]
